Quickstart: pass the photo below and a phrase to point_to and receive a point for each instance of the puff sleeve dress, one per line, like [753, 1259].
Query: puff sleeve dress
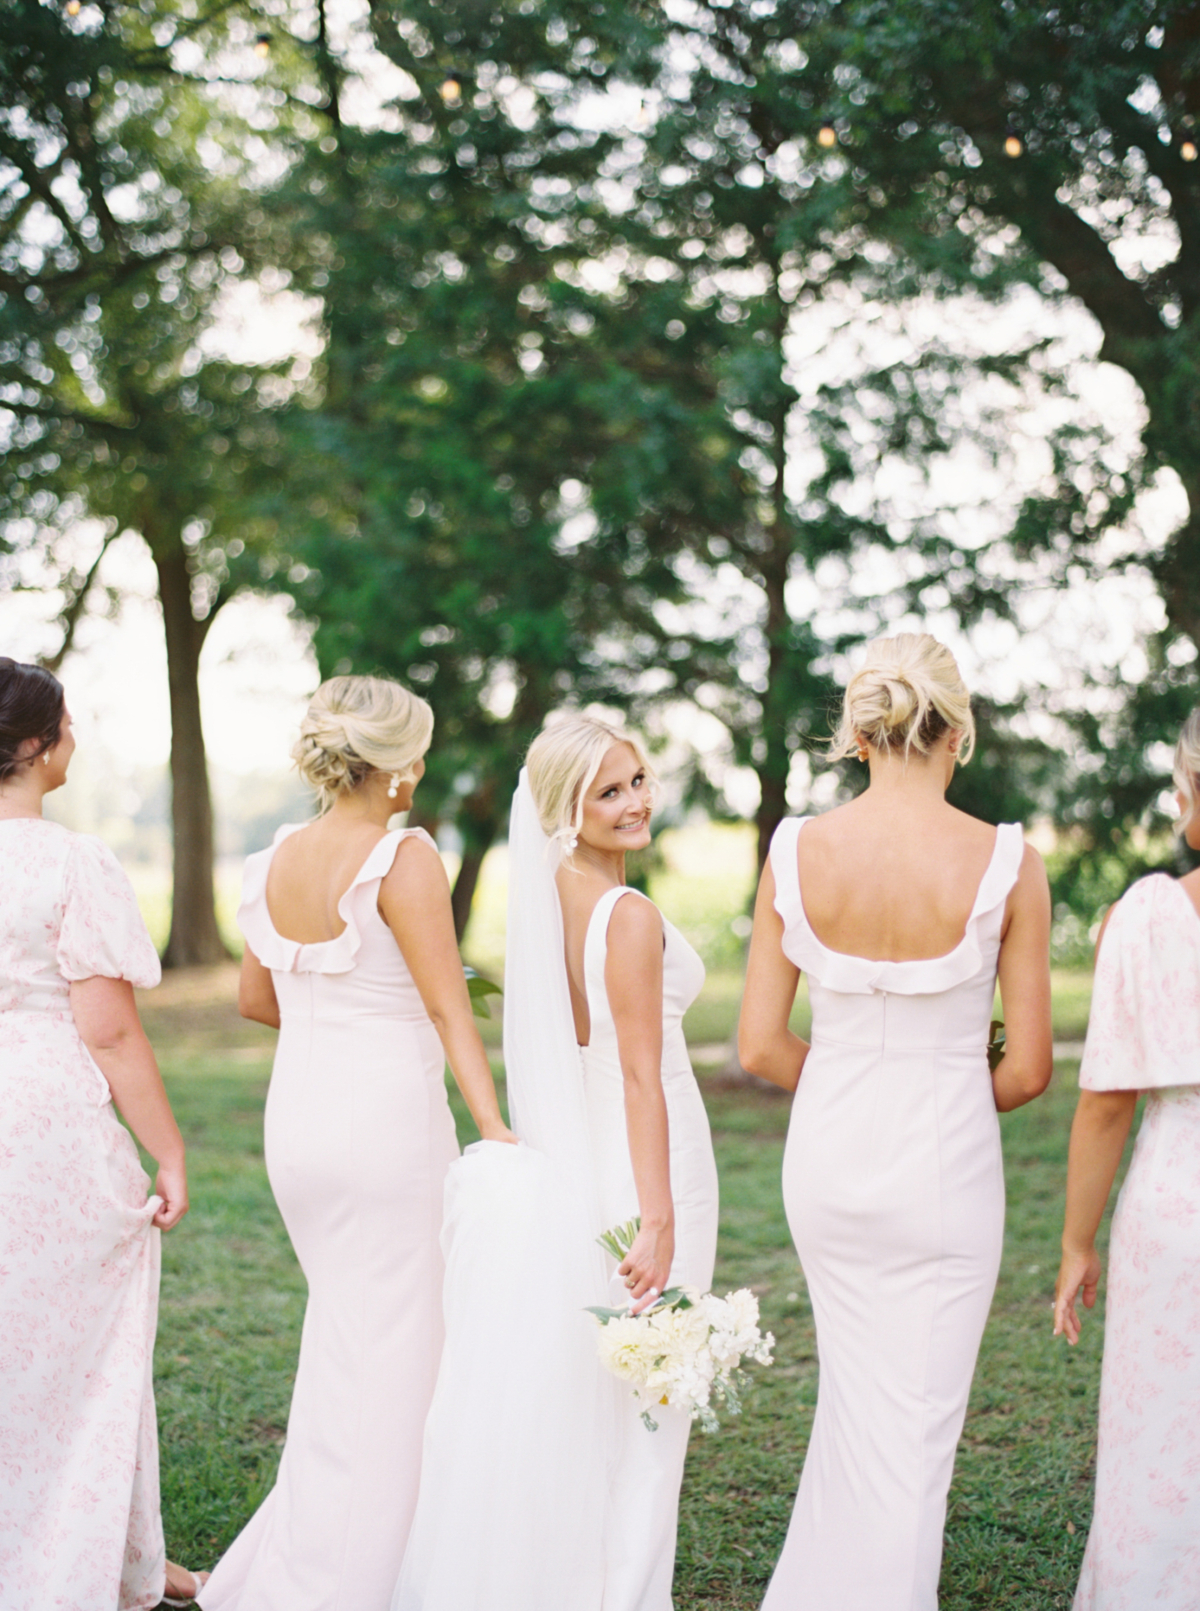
[79, 1258]
[1143, 1549]
[894, 1190]
[358, 1137]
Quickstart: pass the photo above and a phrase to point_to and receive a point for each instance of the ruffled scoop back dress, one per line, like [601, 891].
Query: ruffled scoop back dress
[79, 1258]
[358, 1139]
[894, 1191]
[1143, 1549]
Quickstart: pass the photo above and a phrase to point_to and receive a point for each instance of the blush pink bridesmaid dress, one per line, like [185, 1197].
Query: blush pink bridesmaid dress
[358, 1138]
[894, 1191]
[1143, 1550]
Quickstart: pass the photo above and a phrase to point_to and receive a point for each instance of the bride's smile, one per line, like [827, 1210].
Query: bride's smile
[617, 806]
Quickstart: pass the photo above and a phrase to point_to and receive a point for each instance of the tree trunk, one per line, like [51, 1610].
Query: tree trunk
[775, 758]
[479, 824]
[194, 938]
[1177, 569]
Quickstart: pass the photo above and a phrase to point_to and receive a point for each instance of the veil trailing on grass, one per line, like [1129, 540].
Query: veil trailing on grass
[515, 1465]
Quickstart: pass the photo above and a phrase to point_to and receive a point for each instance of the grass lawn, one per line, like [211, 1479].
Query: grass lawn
[233, 1300]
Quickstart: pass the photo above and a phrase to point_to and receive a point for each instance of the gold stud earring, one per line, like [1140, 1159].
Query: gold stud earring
[863, 752]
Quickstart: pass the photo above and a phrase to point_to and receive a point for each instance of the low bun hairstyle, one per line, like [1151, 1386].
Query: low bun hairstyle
[1187, 770]
[906, 695]
[562, 762]
[358, 725]
[31, 707]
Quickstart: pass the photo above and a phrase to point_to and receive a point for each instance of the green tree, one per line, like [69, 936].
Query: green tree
[123, 214]
[1055, 146]
[468, 381]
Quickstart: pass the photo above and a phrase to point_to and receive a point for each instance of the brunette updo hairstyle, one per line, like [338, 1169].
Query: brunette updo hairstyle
[1187, 770]
[358, 725]
[31, 707]
[906, 695]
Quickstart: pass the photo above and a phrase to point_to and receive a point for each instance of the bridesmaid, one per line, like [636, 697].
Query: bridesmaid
[79, 1245]
[351, 953]
[900, 909]
[1143, 1035]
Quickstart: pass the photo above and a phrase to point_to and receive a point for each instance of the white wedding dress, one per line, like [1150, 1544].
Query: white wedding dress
[647, 1467]
[540, 1488]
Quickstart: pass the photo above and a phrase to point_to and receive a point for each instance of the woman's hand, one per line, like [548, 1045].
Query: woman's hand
[171, 1185]
[497, 1130]
[1078, 1269]
[646, 1268]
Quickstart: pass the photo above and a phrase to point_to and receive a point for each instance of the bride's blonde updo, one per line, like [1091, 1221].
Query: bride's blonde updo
[1187, 769]
[562, 762]
[905, 696]
[358, 725]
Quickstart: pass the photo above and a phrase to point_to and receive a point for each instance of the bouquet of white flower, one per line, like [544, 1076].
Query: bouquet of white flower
[687, 1350]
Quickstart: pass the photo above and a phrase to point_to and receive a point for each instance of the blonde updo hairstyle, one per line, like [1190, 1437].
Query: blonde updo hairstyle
[905, 696]
[358, 725]
[562, 763]
[1187, 770]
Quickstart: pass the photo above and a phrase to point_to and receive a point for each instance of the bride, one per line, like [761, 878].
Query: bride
[531, 1450]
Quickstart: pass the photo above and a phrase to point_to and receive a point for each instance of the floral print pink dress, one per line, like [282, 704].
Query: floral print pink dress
[79, 1509]
[1143, 1550]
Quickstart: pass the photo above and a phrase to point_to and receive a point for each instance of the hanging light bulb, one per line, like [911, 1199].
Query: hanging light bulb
[1188, 150]
[74, 7]
[827, 136]
[262, 45]
[451, 90]
[1012, 143]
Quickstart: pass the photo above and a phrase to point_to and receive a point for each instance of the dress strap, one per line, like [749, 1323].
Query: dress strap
[281, 955]
[854, 975]
[786, 868]
[595, 944]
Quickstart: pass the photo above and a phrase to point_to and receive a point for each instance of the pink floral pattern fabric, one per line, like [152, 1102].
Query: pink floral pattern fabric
[1143, 1551]
[80, 1528]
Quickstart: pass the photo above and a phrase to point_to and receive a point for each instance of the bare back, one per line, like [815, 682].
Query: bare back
[310, 872]
[578, 893]
[894, 883]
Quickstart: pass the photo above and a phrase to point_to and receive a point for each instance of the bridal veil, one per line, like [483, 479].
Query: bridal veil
[516, 1456]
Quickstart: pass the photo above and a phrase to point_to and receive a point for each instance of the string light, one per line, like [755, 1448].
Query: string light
[262, 45]
[1188, 150]
[827, 135]
[451, 90]
[74, 7]
[1012, 143]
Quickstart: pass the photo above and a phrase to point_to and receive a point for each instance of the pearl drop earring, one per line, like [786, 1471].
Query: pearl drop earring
[572, 843]
[394, 786]
[45, 757]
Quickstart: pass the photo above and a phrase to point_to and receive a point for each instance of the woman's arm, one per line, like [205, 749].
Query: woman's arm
[633, 979]
[1024, 1071]
[256, 992]
[1098, 1136]
[107, 1020]
[414, 899]
[766, 1046]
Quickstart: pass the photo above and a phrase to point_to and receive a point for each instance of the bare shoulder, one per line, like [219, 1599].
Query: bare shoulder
[1033, 867]
[415, 866]
[972, 830]
[637, 924]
